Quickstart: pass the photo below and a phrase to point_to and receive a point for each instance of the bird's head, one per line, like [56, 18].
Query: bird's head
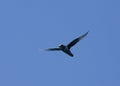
[61, 46]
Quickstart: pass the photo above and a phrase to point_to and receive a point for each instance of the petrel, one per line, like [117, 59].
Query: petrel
[66, 48]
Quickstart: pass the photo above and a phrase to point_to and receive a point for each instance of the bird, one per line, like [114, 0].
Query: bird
[66, 48]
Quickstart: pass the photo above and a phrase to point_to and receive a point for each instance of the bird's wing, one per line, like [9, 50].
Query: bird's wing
[76, 40]
[53, 49]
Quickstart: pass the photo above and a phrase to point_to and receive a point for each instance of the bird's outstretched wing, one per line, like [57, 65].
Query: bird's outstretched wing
[76, 40]
[53, 49]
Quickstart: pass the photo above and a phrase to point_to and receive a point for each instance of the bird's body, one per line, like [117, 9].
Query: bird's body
[66, 48]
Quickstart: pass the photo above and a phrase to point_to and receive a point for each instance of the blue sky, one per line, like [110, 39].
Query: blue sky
[27, 27]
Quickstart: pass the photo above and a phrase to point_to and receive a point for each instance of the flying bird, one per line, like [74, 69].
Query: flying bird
[66, 48]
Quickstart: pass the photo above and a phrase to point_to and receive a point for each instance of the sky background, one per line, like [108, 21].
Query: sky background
[27, 27]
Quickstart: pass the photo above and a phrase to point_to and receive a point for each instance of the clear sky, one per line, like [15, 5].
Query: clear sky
[27, 27]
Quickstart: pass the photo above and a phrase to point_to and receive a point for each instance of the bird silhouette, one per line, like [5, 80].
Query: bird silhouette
[66, 48]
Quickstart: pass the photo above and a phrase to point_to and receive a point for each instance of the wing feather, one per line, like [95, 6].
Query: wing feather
[76, 40]
[53, 49]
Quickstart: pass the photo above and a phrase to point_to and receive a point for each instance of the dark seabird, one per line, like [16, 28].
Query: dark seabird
[66, 48]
